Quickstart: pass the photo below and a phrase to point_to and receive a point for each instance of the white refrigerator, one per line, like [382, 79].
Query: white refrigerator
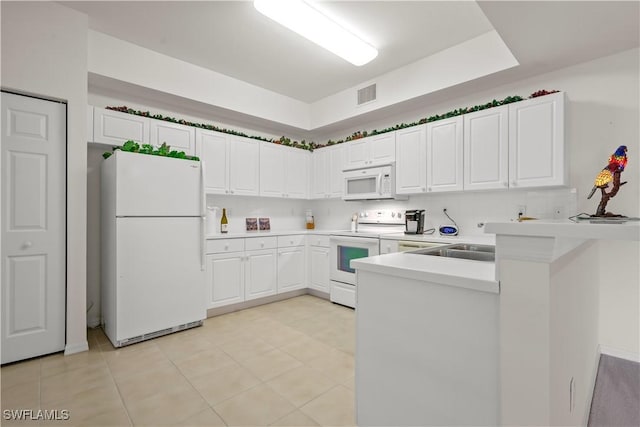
[152, 231]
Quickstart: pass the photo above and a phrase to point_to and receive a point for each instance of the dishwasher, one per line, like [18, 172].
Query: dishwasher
[410, 245]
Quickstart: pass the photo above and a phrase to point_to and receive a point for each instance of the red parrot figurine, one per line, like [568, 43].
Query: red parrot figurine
[617, 162]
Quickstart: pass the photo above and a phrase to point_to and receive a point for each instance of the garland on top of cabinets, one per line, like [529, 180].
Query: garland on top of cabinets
[356, 135]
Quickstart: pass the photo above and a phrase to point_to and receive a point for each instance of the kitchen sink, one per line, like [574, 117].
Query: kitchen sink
[475, 248]
[461, 251]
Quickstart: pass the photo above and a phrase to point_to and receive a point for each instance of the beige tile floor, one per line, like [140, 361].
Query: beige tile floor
[288, 363]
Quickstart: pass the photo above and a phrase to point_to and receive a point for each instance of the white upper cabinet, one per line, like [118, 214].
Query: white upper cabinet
[115, 128]
[319, 174]
[486, 149]
[371, 151]
[213, 150]
[178, 137]
[411, 160]
[326, 179]
[272, 174]
[244, 166]
[335, 168]
[445, 155]
[296, 168]
[284, 171]
[231, 163]
[536, 142]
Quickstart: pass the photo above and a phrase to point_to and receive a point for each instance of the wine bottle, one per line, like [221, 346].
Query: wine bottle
[224, 223]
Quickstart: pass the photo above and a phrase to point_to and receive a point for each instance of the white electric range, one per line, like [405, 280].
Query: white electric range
[365, 242]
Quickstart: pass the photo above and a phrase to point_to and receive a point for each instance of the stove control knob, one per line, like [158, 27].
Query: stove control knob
[366, 214]
[399, 215]
[393, 214]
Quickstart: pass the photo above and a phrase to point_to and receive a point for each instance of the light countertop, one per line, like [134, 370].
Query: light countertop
[486, 239]
[481, 239]
[629, 230]
[477, 275]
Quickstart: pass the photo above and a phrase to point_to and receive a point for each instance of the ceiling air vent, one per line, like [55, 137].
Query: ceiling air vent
[367, 94]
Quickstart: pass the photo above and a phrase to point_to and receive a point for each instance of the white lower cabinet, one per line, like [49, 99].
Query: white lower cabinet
[244, 269]
[319, 263]
[225, 278]
[260, 274]
[291, 263]
[388, 246]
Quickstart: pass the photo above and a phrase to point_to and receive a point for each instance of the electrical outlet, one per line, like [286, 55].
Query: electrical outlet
[522, 210]
[558, 212]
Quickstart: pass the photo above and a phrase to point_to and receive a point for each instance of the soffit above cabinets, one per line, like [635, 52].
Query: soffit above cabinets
[233, 40]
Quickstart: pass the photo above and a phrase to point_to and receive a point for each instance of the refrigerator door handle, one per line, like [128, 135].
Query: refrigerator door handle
[203, 213]
[202, 243]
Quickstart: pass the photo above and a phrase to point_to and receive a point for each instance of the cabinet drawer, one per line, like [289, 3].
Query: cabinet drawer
[256, 243]
[292, 240]
[318, 241]
[225, 245]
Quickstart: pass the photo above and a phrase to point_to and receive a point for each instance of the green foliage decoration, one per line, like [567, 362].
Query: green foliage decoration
[164, 150]
[283, 140]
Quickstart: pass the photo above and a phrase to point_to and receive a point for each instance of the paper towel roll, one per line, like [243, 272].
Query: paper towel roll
[213, 223]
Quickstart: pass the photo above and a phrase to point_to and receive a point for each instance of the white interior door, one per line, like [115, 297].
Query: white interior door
[33, 227]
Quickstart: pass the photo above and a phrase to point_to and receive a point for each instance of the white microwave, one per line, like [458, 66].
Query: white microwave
[374, 183]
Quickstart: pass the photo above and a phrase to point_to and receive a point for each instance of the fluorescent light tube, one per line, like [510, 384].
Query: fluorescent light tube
[302, 18]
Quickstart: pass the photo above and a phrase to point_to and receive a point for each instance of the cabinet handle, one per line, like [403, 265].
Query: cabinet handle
[429, 189]
[27, 244]
[262, 244]
[424, 189]
[514, 184]
[505, 184]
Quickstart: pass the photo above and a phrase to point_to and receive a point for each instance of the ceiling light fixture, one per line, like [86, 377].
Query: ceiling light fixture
[305, 20]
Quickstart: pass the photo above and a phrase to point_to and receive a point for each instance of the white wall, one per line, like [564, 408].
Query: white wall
[44, 53]
[144, 67]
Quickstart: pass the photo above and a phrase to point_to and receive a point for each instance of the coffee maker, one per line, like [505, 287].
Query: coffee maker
[414, 221]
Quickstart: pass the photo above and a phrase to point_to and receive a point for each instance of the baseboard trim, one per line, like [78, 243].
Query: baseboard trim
[76, 348]
[620, 354]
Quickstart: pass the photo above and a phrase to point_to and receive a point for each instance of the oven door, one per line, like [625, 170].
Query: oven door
[344, 249]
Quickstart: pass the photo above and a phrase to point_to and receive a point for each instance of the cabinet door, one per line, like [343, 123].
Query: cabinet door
[358, 154]
[115, 128]
[334, 171]
[486, 149]
[212, 148]
[178, 137]
[536, 142]
[319, 173]
[445, 157]
[383, 149]
[244, 166]
[297, 173]
[272, 170]
[291, 269]
[319, 266]
[225, 279]
[260, 274]
[411, 160]
[388, 246]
